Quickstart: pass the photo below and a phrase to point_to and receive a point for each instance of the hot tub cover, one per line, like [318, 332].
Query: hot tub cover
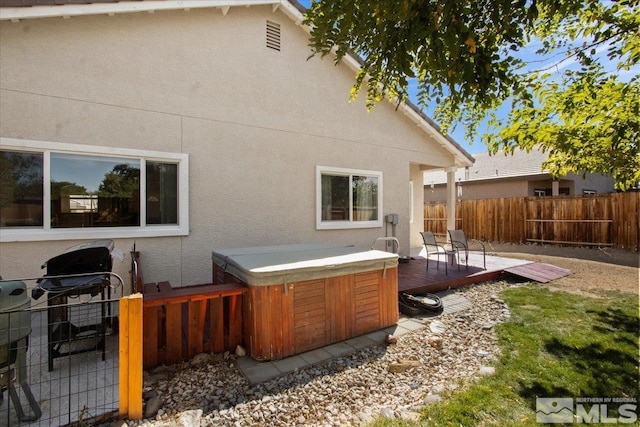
[271, 265]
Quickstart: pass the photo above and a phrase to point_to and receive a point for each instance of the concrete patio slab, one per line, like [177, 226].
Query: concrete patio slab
[257, 372]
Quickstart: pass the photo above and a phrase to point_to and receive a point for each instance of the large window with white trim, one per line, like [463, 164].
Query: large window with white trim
[348, 198]
[55, 191]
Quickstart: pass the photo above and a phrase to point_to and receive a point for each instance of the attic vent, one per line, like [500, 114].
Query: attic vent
[273, 35]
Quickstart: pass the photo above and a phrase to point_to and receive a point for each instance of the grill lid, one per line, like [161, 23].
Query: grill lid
[90, 257]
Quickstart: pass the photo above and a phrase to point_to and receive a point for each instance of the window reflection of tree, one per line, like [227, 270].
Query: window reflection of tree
[21, 195]
[365, 198]
[115, 203]
[335, 198]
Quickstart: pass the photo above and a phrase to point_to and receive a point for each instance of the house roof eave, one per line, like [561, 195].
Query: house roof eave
[463, 158]
[68, 10]
[438, 180]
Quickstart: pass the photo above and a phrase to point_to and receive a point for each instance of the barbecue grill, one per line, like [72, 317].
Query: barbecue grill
[15, 327]
[81, 270]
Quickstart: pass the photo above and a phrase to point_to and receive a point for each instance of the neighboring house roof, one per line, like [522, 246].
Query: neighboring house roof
[497, 166]
[16, 10]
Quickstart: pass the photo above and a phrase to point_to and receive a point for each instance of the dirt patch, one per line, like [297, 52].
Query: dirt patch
[593, 269]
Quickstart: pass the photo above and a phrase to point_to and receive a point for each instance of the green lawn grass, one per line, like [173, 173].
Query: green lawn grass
[554, 345]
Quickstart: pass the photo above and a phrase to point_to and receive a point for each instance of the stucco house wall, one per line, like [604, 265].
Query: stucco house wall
[591, 182]
[476, 190]
[253, 121]
[516, 175]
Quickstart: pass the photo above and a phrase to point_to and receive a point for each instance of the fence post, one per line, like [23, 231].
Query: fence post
[130, 360]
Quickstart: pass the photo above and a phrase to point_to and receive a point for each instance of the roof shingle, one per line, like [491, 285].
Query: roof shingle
[497, 166]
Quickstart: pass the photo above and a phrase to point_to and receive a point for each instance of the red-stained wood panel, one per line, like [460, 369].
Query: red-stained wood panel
[174, 333]
[276, 319]
[235, 321]
[216, 325]
[309, 315]
[287, 309]
[269, 324]
[196, 311]
[150, 322]
[248, 321]
[367, 302]
[261, 331]
[340, 303]
[389, 312]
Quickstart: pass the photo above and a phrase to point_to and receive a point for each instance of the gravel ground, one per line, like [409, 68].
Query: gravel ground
[349, 390]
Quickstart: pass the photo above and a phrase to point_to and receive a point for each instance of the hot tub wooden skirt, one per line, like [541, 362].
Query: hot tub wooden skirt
[281, 322]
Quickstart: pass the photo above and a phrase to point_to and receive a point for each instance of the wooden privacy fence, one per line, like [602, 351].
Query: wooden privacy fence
[594, 220]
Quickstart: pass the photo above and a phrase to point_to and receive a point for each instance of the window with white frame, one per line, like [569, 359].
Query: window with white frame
[53, 191]
[348, 198]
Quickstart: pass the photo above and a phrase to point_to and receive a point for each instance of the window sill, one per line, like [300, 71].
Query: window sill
[34, 235]
[344, 225]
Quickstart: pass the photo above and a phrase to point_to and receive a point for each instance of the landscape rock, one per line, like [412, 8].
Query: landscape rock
[437, 327]
[403, 365]
[387, 413]
[201, 359]
[164, 369]
[410, 415]
[438, 388]
[432, 398]
[435, 342]
[366, 417]
[152, 407]
[148, 394]
[487, 370]
[390, 339]
[240, 351]
[190, 418]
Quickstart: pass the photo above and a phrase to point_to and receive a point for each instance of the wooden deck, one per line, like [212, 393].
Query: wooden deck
[413, 276]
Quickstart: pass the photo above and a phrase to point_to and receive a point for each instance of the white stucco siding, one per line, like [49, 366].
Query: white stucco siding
[254, 122]
[51, 118]
[592, 182]
[493, 189]
[261, 187]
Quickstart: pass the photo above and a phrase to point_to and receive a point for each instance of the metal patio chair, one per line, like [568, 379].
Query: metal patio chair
[432, 246]
[458, 240]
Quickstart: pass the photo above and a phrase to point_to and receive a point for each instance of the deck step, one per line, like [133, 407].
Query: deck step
[539, 272]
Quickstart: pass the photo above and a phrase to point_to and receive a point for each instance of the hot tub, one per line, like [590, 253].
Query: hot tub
[305, 296]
